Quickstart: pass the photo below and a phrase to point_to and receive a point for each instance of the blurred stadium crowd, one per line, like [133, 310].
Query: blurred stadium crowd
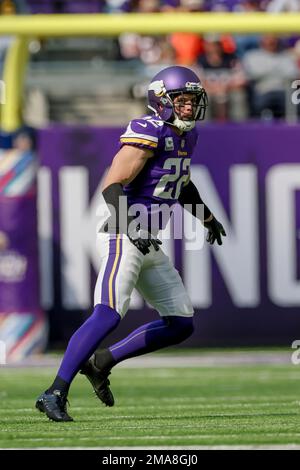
[246, 77]
[113, 6]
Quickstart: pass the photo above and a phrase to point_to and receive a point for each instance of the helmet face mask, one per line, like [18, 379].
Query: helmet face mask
[197, 102]
[170, 84]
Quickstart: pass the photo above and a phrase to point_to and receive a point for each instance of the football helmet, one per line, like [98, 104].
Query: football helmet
[170, 83]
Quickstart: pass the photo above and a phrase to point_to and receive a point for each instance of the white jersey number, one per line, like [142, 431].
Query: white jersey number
[173, 180]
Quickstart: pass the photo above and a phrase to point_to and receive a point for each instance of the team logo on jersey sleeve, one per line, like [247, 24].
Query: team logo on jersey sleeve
[169, 144]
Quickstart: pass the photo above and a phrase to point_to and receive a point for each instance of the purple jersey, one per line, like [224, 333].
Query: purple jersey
[162, 178]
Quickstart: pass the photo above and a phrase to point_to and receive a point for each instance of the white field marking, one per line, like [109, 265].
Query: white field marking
[15, 410]
[204, 447]
[178, 407]
[236, 398]
[165, 406]
[175, 361]
[200, 406]
[290, 446]
[171, 436]
[184, 418]
[181, 400]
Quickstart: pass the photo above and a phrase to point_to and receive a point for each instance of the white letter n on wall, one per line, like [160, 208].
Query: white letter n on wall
[281, 184]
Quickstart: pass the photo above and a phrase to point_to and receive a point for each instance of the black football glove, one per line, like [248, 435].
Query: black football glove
[215, 231]
[143, 240]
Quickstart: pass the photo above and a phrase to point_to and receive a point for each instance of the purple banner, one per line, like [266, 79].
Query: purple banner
[19, 274]
[19, 287]
[22, 323]
[245, 292]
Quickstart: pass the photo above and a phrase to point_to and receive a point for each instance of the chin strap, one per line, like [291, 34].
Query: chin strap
[185, 126]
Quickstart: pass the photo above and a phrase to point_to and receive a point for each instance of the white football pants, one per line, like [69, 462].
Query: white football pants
[124, 267]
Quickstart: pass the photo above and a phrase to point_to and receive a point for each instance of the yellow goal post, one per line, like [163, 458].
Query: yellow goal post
[26, 27]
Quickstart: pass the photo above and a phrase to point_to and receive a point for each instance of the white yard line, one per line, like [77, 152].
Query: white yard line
[160, 437]
[206, 359]
[188, 448]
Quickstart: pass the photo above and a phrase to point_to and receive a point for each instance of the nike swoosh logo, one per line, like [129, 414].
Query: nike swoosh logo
[141, 124]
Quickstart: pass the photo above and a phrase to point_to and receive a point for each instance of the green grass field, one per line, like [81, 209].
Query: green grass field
[228, 405]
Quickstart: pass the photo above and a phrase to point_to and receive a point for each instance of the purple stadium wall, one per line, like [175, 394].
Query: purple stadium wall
[246, 292]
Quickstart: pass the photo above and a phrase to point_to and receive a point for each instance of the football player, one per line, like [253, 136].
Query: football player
[151, 168]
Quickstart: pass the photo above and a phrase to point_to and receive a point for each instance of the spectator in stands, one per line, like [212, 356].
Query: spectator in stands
[47, 6]
[217, 5]
[277, 6]
[148, 6]
[187, 46]
[4, 241]
[7, 7]
[191, 5]
[169, 5]
[224, 78]
[296, 53]
[83, 6]
[246, 42]
[21, 6]
[119, 6]
[66, 6]
[149, 49]
[234, 5]
[270, 71]
[140, 6]
[249, 6]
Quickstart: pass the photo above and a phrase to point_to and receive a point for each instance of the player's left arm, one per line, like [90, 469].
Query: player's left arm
[189, 199]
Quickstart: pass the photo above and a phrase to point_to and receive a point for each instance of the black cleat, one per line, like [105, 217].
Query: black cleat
[99, 381]
[54, 405]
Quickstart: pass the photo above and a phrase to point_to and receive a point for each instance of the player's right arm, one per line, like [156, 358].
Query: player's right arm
[126, 165]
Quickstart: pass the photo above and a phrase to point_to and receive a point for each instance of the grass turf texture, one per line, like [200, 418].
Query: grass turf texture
[229, 405]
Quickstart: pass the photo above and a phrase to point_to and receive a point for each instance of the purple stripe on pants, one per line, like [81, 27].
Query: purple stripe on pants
[115, 274]
[107, 272]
